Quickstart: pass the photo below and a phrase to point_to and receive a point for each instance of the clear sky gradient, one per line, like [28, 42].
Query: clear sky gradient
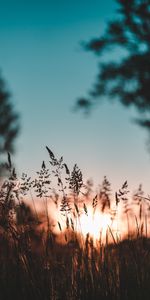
[47, 70]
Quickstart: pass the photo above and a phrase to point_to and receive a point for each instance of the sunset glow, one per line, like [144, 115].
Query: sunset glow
[94, 224]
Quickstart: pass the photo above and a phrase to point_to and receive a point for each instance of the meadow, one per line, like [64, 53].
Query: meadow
[60, 239]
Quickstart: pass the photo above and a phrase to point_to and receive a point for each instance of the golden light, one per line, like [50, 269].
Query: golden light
[94, 224]
[98, 225]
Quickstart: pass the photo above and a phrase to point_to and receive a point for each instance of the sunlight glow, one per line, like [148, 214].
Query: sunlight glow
[94, 224]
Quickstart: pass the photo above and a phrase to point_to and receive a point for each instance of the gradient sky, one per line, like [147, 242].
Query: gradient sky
[47, 70]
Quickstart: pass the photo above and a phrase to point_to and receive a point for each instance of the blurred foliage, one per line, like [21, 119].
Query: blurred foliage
[9, 120]
[125, 73]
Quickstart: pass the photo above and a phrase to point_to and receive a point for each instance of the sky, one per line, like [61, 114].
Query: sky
[47, 70]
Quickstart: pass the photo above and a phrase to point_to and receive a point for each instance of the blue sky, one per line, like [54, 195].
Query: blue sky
[47, 70]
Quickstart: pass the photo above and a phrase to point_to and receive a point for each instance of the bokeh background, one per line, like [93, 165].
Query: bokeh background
[47, 70]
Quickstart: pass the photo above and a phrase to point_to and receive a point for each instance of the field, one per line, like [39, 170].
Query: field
[61, 240]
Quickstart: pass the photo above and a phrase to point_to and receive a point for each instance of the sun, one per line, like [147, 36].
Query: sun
[94, 224]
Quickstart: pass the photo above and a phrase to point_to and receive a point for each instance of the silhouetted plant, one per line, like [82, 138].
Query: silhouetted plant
[104, 194]
[42, 182]
[32, 260]
[76, 181]
[121, 195]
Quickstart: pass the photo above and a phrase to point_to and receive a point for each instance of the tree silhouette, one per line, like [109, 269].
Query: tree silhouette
[127, 76]
[9, 121]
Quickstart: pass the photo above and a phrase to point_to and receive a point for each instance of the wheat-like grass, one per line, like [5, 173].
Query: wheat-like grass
[45, 253]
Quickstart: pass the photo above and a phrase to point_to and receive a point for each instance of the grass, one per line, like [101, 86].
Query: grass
[45, 251]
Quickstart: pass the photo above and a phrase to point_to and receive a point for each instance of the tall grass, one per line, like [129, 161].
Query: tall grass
[45, 252]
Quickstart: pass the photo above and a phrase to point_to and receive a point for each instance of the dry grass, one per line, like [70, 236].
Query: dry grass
[45, 254]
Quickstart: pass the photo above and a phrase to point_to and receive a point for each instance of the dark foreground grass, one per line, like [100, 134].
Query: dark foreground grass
[67, 272]
[33, 265]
